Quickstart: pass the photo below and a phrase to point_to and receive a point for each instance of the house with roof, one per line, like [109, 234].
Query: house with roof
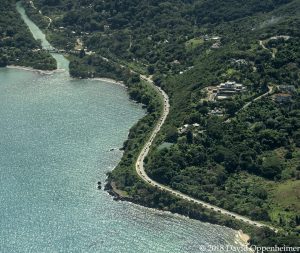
[229, 89]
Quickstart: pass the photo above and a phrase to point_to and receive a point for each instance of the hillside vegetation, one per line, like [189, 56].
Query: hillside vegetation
[241, 153]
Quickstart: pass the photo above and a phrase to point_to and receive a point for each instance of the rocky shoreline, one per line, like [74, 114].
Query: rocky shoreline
[118, 195]
[115, 193]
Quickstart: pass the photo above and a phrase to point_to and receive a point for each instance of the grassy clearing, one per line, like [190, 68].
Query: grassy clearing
[287, 195]
[193, 43]
[285, 199]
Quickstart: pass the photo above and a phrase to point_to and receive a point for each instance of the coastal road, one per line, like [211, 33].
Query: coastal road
[145, 150]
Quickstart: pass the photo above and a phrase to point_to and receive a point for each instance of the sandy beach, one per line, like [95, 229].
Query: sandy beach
[44, 72]
[108, 80]
[243, 237]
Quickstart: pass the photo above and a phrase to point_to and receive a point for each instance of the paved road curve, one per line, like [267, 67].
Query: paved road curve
[141, 171]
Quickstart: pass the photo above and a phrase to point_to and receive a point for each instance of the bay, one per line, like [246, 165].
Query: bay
[56, 134]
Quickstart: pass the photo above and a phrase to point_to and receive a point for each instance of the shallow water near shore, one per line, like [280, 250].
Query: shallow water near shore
[56, 134]
[55, 140]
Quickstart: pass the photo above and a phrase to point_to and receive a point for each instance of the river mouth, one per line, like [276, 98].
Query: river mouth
[56, 136]
[62, 62]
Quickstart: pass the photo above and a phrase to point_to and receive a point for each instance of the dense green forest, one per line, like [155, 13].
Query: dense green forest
[246, 157]
[17, 46]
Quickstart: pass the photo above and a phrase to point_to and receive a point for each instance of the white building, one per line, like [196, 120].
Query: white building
[228, 89]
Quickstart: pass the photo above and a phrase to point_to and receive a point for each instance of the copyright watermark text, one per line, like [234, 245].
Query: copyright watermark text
[274, 249]
[253, 248]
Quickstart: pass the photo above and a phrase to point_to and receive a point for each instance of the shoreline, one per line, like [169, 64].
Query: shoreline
[107, 80]
[244, 238]
[241, 238]
[51, 72]
[43, 72]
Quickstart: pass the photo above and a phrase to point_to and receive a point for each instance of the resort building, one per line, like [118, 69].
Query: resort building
[229, 89]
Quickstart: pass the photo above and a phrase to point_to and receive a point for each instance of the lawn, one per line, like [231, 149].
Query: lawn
[193, 43]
